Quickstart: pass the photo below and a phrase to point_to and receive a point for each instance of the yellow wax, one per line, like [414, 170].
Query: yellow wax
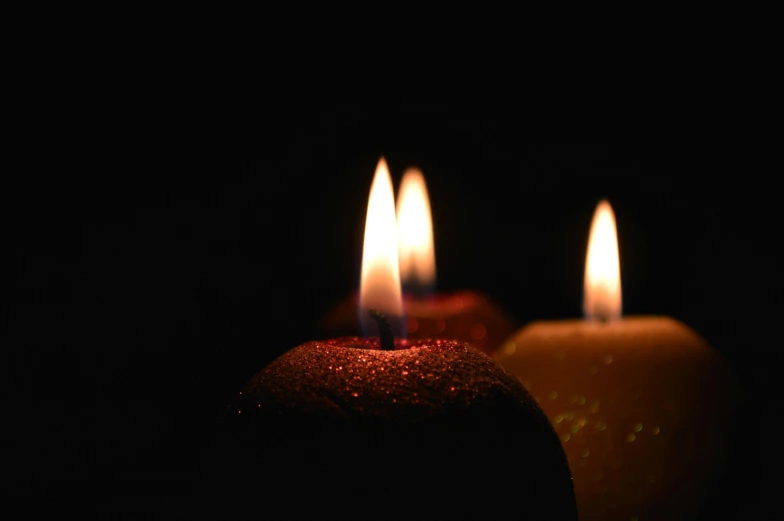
[641, 406]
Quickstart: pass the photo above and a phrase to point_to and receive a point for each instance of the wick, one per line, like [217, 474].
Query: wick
[384, 331]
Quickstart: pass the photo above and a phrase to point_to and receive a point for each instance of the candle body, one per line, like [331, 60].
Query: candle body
[465, 316]
[641, 406]
[424, 431]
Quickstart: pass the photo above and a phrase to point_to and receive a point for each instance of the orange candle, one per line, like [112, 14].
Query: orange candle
[641, 404]
[464, 315]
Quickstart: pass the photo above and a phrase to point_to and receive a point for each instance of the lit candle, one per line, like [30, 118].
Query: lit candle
[641, 404]
[382, 427]
[463, 315]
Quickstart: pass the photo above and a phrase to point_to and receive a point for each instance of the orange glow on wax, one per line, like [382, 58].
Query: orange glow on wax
[380, 280]
[415, 231]
[602, 298]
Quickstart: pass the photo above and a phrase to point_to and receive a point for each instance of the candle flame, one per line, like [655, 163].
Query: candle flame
[602, 267]
[380, 281]
[415, 231]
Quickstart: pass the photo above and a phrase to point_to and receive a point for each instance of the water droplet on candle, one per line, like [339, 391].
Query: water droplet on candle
[581, 400]
[608, 359]
[586, 453]
[569, 416]
[553, 395]
[637, 427]
[630, 438]
[559, 418]
[601, 425]
[655, 431]
[566, 437]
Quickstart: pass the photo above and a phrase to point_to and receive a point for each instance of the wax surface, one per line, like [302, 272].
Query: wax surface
[466, 316]
[641, 406]
[340, 427]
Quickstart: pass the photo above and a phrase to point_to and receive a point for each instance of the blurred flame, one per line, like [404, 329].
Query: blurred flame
[380, 280]
[415, 231]
[602, 267]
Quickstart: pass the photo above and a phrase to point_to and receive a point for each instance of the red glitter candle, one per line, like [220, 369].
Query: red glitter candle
[464, 315]
[381, 427]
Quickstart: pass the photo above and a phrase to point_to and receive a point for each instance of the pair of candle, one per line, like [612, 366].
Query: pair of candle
[384, 427]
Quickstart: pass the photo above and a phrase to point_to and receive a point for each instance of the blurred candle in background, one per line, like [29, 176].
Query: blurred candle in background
[641, 404]
[463, 315]
[417, 256]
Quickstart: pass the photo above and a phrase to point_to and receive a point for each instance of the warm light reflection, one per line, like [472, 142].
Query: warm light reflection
[602, 267]
[380, 280]
[415, 231]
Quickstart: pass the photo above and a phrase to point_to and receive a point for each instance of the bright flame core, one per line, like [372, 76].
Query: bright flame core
[415, 231]
[602, 267]
[380, 281]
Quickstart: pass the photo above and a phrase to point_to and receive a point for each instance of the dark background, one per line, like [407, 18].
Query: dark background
[148, 274]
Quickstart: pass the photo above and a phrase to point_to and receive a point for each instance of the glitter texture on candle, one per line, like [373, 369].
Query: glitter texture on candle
[434, 429]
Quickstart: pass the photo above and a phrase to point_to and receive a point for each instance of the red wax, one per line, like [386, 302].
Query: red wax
[465, 316]
[433, 429]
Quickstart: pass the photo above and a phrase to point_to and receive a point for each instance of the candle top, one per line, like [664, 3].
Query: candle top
[420, 378]
[631, 325]
[652, 336]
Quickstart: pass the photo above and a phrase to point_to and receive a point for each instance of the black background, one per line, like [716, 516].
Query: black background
[148, 274]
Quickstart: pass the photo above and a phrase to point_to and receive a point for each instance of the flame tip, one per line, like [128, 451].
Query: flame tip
[602, 299]
[415, 230]
[380, 278]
